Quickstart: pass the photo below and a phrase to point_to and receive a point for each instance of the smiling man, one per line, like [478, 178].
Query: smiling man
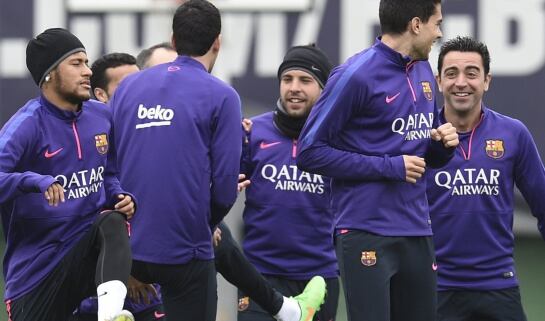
[281, 201]
[55, 184]
[472, 197]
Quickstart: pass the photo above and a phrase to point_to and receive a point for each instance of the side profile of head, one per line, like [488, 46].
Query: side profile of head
[420, 18]
[196, 28]
[157, 54]
[463, 74]
[108, 71]
[57, 61]
[302, 75]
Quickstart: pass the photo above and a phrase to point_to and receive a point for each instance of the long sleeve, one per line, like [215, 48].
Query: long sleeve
[317, 153]
[437, 155]
[15, 141]
[530, 177]
[112, 186]
[225, 156]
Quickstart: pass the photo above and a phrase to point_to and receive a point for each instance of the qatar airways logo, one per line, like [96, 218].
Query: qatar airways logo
[414, 127]
[470, 181]
[82, 183]
[290, 178]
[156, 116]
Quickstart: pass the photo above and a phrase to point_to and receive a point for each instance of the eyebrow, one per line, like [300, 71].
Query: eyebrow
[79, 59]
[466, 68]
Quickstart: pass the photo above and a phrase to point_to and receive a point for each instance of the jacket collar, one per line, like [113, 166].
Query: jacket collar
[60, 113]
[188, 61]
[391, 54]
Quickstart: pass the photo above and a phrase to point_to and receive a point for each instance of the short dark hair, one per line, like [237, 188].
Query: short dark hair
[464, 44]
[143, 57]
[395, 15]
[112, 60]
[196, 24]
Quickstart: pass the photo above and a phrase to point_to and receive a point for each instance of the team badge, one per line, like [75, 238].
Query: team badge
[369, 258]
[494, 148]
[243, 303]
[101, 142]
[426, 87]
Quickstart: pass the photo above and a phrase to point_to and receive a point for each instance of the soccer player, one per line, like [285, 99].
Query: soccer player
[373, 131]
[184, 164]
[288, 224]
[155, 55]
[233, 265]
[143, 300]
[108, 71]
[63, 242]
[472, 197]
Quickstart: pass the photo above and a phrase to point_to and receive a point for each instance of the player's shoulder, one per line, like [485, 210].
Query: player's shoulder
[504, 121]
[263, 118]
[30, 112]
[97, 107]
[26, 121]
[218, 86]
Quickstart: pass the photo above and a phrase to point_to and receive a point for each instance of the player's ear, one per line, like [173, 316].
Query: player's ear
[101, 95]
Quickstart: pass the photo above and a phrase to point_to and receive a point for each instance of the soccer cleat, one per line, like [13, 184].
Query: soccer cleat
[124, 315]
[311, 298]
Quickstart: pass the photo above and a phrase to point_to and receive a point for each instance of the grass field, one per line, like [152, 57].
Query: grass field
[530, 257]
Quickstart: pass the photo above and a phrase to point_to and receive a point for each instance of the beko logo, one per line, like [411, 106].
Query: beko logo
[160, 116]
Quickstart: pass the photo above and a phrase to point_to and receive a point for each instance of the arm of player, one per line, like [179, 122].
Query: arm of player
[530, 177]
[442, 146]
[225, 153]
[316, 152]
[116, 197]
[246, 168]
[16, 138]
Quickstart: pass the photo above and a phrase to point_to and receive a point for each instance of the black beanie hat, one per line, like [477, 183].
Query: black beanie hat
[308, 58]
[49, 49]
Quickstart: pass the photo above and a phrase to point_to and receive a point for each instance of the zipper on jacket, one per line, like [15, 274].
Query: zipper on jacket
[76, 135]
[409, 80]
[467, 156]
[294, 148]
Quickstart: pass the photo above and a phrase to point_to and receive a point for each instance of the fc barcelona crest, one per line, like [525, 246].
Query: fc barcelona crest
[494, 148]
[369, 258]
[101, 142]
[426, 88]
[243, 303]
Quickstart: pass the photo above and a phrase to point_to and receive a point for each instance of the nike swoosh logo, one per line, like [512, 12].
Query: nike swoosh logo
[158, 315]
[264, 145]
[47, 154]
[390, 99]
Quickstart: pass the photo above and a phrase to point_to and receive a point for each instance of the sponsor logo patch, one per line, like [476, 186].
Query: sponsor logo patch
[101, 143]
[494, 148]
[426, 88]
[369, 258]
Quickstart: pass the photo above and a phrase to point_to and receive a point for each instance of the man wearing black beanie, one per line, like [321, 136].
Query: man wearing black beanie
[283, 202]
[62, 245]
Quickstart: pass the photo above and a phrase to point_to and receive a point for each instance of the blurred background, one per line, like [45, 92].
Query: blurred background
[256, 34]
